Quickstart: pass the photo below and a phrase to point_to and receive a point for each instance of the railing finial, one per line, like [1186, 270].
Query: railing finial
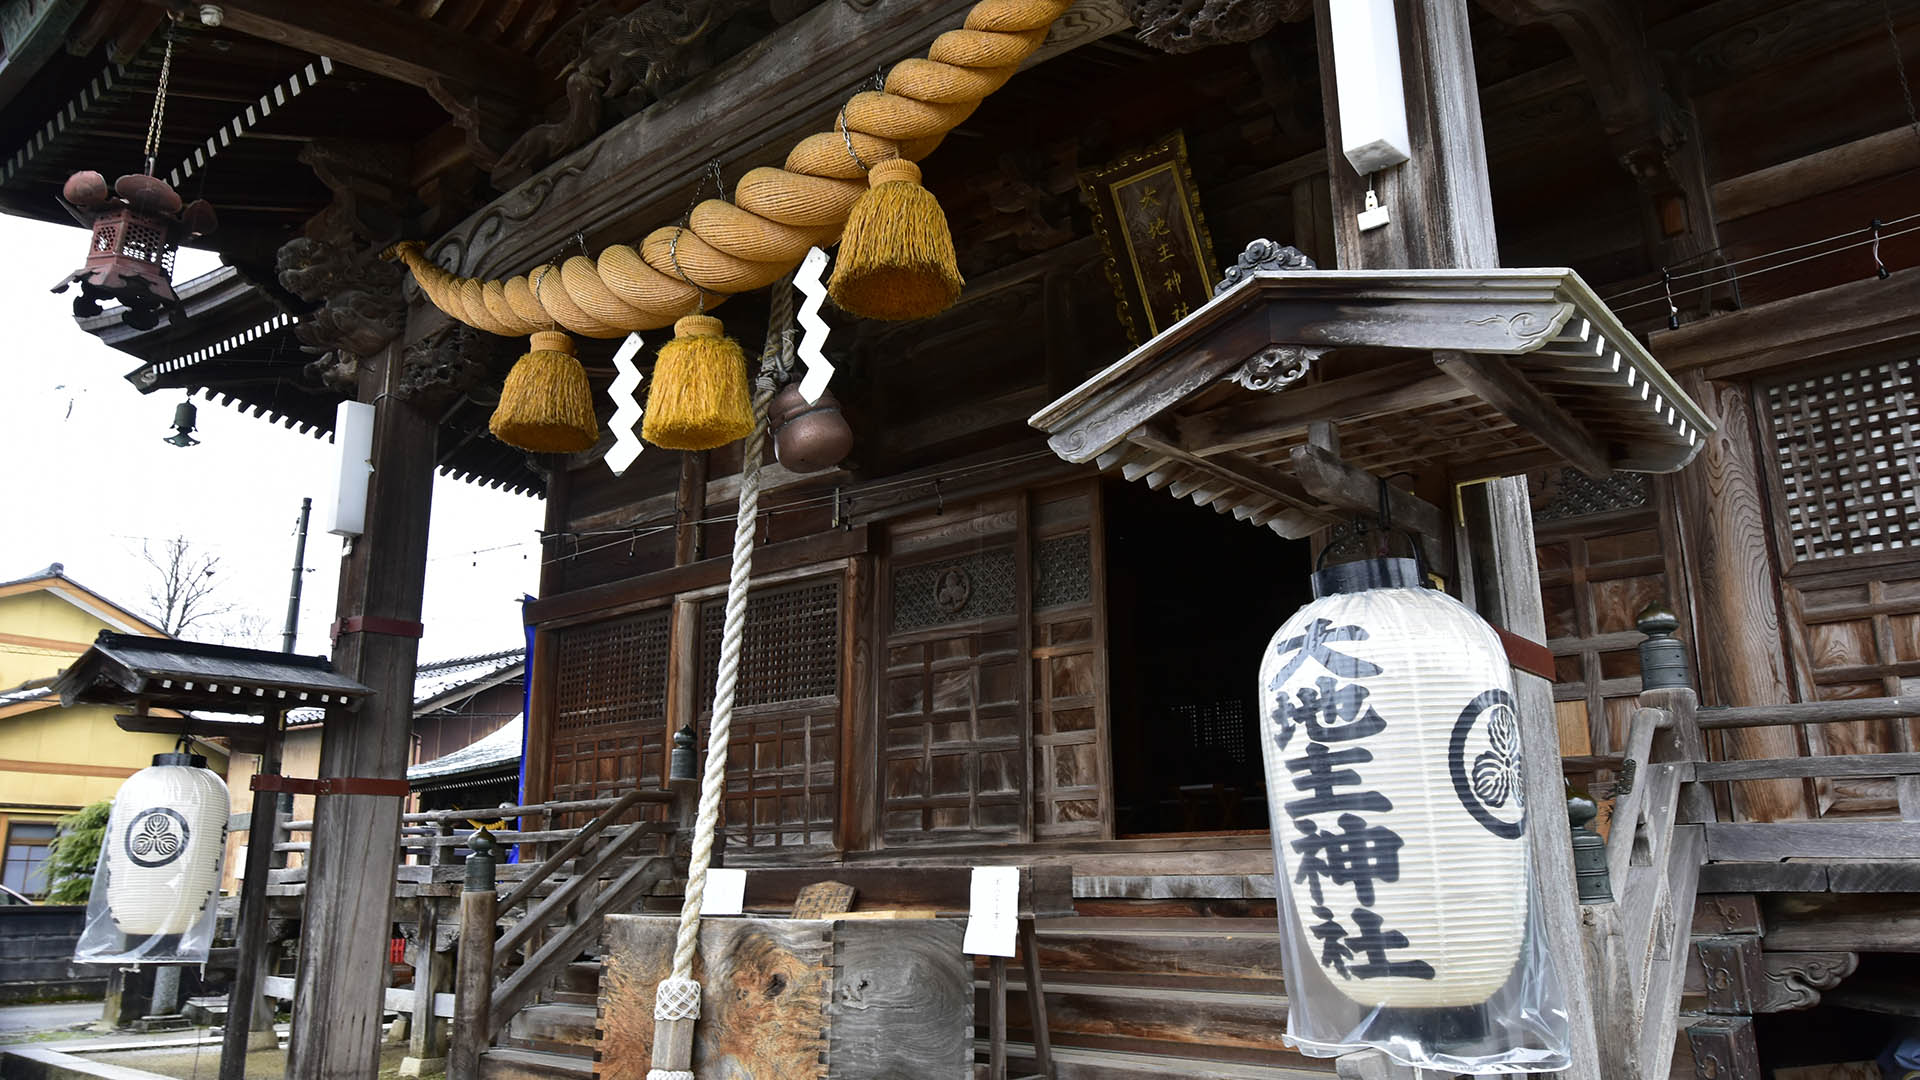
[1663, 657]
[1590, 875]
[480, 864]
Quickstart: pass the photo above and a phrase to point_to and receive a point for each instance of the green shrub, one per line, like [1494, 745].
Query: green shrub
[74, 853]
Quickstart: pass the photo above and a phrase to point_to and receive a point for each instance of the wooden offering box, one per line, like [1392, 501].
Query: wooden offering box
[787, 999]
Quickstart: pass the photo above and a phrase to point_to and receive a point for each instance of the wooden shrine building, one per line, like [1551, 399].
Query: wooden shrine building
[1021, 622]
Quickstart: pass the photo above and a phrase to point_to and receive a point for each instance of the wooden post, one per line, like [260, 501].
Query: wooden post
[1737, 605]
[426, 1035]
[473, 985]
[339, 995]
[1440, 212]
[243, 997]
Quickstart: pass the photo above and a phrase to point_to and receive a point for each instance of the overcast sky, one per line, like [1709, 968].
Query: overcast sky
[87, 479]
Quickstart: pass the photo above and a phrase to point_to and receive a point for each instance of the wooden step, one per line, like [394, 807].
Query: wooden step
[1198, 954]
[577, 984]
[512, 1063]
[1207, 1025]
[559, 1027]
[1079, 1063]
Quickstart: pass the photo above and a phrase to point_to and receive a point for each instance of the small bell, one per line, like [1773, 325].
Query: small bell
[184, 415]
[808, 438]
[680, 763]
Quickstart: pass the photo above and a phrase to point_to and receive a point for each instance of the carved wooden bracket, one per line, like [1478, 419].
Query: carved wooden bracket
[1795, 980]
[362, 310]
[445, 364]
[1184, 26]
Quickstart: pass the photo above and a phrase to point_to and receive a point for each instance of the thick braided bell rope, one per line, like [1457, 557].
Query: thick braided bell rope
[678, 995]
[775, 215]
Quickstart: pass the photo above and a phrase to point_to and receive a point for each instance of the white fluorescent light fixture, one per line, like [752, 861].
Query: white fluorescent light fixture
[1366, 75]
[353, 439]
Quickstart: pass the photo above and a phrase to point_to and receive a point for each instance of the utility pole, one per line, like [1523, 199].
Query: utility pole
[249, 1023]
[299, 572]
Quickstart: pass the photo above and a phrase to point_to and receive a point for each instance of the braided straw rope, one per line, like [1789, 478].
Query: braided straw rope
[776, 214]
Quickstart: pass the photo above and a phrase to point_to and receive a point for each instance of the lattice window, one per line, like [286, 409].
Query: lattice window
[1571, 493]
[790, 650]
[610, 708]
[1845, 446]
[968, 588]
[1062, 571]
[783, 753]
[611, 673]
[1219, 729]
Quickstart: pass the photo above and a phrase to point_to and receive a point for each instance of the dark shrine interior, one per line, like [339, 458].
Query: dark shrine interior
[1192, 598]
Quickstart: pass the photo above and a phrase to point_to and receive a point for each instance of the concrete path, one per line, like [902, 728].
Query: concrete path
[23, 1019]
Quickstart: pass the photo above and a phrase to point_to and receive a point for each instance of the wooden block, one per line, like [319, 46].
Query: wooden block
[823, 898]
[886, 913]
[788, 998]
[1727, 914]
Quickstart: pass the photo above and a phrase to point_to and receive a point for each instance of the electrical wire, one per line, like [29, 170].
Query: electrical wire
[1868, 242]
[1727, 266]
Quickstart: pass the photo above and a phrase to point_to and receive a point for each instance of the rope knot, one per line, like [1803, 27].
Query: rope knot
[676, 999]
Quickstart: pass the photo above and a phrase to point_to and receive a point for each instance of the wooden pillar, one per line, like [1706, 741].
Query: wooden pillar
[432, 970]
[1441, 215]
[339, 996]
[245, 1006]
[1736, 602]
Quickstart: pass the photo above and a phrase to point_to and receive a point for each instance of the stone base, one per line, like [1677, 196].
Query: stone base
[264, 1039]
[413, 1066]
[169, 1022]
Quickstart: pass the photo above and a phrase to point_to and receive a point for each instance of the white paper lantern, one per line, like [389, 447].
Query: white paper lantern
[1393, 775]
[164, 841]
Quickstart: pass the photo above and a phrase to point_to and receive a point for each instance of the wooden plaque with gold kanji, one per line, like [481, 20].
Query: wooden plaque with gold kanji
[1159, 258]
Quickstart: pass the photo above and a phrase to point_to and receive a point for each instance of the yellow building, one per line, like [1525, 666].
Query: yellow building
[55, 760]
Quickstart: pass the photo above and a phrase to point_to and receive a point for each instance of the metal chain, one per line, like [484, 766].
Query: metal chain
[159, 105]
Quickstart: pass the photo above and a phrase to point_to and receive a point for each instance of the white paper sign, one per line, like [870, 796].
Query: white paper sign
[726, 891]
[994, 911]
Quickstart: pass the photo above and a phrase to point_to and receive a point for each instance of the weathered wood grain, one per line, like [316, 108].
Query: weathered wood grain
[1838, 765]
[1758, 841]
[1737, 633]
[785, 998]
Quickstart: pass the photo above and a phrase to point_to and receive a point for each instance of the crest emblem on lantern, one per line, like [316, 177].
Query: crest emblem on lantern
[156, 837]
[1483, 757]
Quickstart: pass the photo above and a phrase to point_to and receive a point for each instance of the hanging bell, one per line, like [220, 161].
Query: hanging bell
[184, 415]
[808, 438]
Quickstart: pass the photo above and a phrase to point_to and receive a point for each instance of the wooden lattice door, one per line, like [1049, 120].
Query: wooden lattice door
[1070, 768]
[953, 699]
[609, 706]
[784, 750]
[1843, 446]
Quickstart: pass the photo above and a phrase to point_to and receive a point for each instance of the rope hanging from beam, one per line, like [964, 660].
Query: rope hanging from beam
[776, 214]
[677, 999]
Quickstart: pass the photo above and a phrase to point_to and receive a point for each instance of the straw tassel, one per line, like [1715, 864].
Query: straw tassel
[546, 405]
[699, 398]
[896, 257]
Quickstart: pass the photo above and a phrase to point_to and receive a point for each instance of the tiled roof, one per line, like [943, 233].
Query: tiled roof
[498, 749]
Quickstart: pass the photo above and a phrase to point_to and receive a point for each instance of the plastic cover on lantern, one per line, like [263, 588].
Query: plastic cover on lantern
[159, 870]
[1393, 763]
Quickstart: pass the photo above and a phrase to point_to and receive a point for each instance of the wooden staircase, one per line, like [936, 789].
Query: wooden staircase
[1134, 997]
[530, 994]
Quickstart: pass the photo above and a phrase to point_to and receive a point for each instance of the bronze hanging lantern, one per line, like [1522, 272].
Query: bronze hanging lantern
[137, 226]
[808, 438]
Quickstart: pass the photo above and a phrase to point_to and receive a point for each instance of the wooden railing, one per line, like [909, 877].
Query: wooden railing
[554, 901]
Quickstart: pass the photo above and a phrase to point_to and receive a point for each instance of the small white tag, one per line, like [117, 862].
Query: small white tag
[1374, 215]
[726, 892]
[993, 911]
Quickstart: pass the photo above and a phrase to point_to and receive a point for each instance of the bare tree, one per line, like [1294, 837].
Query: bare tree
[185, 588]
